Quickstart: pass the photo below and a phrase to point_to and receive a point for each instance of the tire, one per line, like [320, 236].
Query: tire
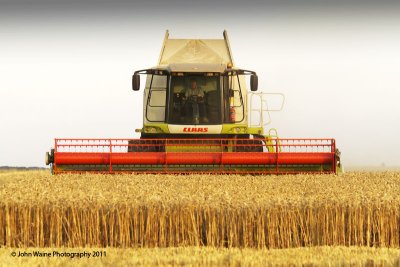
[132, 146]
[249, 145]
[145, 146]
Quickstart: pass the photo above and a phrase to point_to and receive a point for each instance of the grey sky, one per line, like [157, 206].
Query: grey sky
[65, 68]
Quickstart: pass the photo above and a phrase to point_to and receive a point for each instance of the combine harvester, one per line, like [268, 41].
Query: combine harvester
[198, 118]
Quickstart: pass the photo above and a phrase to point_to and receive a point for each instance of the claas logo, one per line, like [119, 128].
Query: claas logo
[195, 130]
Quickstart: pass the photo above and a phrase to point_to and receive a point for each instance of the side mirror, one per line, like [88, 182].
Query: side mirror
[253, 82]
[135, 82]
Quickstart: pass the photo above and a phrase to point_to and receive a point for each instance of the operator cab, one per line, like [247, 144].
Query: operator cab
[196, 99]
[200, 94]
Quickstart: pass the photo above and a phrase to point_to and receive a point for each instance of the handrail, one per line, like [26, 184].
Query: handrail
[262, 108]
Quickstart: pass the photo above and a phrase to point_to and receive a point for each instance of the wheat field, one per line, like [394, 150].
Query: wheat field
[209, 256]
[225, 211]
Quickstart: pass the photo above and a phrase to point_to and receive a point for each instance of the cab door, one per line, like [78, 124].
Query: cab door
[155, 97]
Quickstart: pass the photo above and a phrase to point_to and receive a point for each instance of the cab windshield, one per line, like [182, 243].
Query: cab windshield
[196, 99]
